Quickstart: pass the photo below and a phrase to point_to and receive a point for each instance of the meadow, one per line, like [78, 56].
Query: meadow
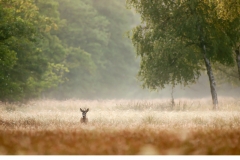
[121, 127]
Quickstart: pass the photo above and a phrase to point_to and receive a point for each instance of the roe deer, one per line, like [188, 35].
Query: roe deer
[84, 118]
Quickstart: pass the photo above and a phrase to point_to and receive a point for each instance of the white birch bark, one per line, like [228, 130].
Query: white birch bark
[211, 80]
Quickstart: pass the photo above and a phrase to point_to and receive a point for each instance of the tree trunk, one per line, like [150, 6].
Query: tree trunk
[237, 51]
[211, 80]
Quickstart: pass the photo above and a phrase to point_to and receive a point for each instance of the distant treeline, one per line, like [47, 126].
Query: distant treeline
[65, 49]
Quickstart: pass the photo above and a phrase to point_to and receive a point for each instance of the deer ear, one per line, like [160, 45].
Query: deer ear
[87, 110]
[81, 110]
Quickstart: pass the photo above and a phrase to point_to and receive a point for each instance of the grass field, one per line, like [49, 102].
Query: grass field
[121, 127]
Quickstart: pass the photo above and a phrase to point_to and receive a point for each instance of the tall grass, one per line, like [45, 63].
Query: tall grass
[121, 127]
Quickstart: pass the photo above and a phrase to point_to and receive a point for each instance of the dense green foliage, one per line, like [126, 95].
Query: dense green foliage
[23, 64]
[65, 49]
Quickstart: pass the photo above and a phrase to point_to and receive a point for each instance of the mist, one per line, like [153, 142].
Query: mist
[117, 79]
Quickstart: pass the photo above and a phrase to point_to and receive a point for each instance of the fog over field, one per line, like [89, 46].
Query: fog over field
[158, 77]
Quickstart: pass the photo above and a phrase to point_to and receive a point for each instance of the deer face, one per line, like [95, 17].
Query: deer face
[84, 112]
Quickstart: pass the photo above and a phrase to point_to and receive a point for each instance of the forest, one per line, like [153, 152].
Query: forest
[89, 49]
[65, 49]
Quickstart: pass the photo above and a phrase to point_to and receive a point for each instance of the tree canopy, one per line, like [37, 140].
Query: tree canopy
[22, 29]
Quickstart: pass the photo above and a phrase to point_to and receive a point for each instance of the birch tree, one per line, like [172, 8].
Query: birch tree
[178, 39]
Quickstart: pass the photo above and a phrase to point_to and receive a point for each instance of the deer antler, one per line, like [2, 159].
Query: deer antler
[84, 110]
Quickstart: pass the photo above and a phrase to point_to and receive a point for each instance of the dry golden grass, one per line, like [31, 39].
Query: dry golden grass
[121, 127]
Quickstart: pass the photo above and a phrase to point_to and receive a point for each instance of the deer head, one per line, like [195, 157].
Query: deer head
[84, 112]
